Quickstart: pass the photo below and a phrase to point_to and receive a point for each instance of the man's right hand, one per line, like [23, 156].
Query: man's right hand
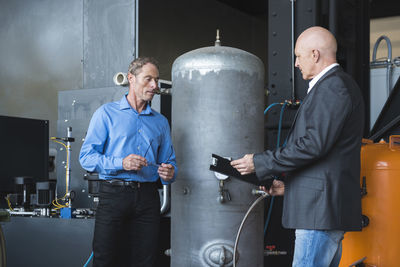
[277, 188]
[134, 162]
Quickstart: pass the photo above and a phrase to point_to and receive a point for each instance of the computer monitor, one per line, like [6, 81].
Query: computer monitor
[24, 150]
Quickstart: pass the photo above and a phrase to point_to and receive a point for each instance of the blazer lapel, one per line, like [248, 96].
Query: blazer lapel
[334, 69]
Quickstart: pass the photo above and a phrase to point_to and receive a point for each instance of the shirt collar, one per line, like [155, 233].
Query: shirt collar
[322, 73]
[124, 104]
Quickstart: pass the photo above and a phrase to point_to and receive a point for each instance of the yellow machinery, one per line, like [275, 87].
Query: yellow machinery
[379, 241]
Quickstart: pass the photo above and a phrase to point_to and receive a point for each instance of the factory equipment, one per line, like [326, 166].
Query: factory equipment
[120, 78]
[217, 107]
[24, 188]
[45, 193]
[384, 75]
[378, 241]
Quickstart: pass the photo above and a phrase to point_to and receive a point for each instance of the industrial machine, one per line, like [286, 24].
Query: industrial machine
[377, 244]
[217, 107]
[384, 74]
[214, 104]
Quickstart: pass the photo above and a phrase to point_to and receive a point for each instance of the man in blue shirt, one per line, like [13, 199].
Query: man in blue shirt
[129, 145]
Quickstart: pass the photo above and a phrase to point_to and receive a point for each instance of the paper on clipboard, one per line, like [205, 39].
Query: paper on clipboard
[223, 165]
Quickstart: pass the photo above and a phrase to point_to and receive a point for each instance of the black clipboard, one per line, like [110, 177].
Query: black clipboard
[223, 165]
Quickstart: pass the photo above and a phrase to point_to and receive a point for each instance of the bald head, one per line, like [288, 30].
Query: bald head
[321, 39]
[316, 47]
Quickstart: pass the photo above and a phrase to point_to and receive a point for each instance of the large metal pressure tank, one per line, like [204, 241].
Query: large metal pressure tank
[217, 107]
[378, 242]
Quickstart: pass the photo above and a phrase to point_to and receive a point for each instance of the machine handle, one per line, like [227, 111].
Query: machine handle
[394, 142]
[166, 199]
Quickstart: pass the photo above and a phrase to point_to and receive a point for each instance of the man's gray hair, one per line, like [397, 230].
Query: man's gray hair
[138, 63]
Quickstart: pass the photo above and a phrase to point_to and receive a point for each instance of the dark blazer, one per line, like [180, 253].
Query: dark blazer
[321, 160]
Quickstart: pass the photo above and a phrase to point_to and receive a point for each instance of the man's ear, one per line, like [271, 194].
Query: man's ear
[131, 77]
[315, 55]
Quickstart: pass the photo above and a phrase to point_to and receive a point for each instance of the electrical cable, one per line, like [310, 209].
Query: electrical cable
[55, 201]
[9, 203]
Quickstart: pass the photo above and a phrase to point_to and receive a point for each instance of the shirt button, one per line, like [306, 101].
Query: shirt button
[138, 147]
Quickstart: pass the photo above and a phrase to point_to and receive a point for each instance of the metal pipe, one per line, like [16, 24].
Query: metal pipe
[378, 64]
[293, 78]
[332, 16]
[136, 28]
[69, 135]
[396, 61]
[389, 46]
[120, 78]
[166, 199]
[388, 78]
[32, 213]
[388, 63]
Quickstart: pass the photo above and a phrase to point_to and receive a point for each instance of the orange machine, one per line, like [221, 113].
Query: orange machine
[379, 241]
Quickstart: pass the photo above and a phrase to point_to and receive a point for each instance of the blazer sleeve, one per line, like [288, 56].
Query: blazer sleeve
[318, 126]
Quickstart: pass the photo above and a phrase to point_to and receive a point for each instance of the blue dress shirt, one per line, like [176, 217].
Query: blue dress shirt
[117, 130]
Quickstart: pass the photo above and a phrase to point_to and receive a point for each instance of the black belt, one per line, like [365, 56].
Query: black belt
[119, 182]
[133, 184]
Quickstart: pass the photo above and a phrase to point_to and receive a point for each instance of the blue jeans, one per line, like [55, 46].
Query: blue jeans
[317, 248]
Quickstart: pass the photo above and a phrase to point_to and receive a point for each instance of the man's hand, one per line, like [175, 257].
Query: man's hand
[134, 162]
[244, 165]
[166, 171]
[277, 188]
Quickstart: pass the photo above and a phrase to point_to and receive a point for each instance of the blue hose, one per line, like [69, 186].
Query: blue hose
[88, 261]
[270, 106]
[269, 215]
[280, 125]
[277, 145]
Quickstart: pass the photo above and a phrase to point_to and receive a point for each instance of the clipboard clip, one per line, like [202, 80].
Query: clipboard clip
[223, 166]
[216, 162]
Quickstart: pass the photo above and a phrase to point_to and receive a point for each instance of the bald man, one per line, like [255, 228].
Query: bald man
[320, 164]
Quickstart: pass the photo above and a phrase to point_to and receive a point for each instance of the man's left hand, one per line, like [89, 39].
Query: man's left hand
[166, 171]
[244, 165]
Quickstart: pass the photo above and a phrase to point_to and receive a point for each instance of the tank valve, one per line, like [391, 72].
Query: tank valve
[224, 194]
[259, 192]
[217, 41]
[364, 187]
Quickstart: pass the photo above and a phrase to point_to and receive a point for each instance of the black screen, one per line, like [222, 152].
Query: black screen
[24, 150]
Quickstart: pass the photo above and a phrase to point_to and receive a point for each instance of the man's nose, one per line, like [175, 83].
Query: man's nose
[154, 83]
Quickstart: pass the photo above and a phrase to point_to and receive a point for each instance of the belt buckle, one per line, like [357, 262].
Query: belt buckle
[134, 185]
[111, 181]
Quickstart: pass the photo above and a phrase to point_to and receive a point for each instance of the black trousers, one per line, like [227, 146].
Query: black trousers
[127, 225]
